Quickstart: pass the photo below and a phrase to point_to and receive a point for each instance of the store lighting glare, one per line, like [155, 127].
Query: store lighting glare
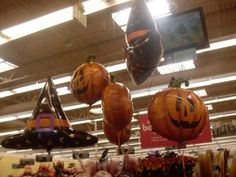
[7, 119]
[62, 80]
[217, 100]
[63, 91]
[222, 115]
[6, 93]
[3, 40]
[9, 133]
[157, 8]
[23, 116]
[16, 151]
[209, 107]
[6, 66]
[219, 45]
[39, 24]
[176, 67]
[201, 92]
[117, 67]
[29, 88]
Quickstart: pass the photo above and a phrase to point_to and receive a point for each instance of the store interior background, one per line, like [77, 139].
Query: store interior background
[58, 50]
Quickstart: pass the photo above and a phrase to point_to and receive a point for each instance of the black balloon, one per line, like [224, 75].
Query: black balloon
[144, 47]
[49, 126]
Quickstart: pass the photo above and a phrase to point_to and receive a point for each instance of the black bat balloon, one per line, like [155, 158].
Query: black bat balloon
[144, 47]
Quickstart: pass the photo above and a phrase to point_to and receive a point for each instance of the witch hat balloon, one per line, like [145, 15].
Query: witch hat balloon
[49, 126]
[144, 47]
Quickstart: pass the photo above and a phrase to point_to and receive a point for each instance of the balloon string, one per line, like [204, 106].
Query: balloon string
[183, 164]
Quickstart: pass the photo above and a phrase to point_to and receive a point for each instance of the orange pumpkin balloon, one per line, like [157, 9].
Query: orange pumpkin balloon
[117, 105]
[117, 137]
[177, 114]
[88, 82]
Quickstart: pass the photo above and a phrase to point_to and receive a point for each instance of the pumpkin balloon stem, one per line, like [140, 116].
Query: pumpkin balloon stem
[89, 58]
[177, 82]
[112, 78]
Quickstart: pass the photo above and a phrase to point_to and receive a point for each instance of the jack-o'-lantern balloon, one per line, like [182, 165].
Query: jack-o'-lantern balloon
[144, 47]
[117, 137]
[88, 81]
[117, 105]
[177, 114]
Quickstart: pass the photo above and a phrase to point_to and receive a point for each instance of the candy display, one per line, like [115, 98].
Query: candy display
[144, 47]
[49, 126]
[177, 114]
[88, 81]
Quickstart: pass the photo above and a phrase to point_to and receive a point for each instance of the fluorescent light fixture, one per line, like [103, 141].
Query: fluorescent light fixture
[63, 91]
[62, 80]
[117, 67]
[39, 24]
[15, 151]
[6, 93]
[6, 66]
[201, 92]
[81, 122]
[78, 106]
[7, 119]
[140, 113]
[29, 88]
[3, 40]
[96, 110]
[209, 107]
[176, 67]
[9, 133]
[157, 8]
[23, 116]
[217, 100]
[219, 45]
[222, 115]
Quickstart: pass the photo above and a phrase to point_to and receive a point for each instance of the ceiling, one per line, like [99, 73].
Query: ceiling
[58, 50]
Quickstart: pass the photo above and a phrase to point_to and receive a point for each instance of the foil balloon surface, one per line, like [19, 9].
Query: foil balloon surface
[144, 47]
[49, 126]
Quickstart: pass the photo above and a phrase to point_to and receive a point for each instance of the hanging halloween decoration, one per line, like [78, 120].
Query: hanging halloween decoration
[144, 47]
[117, 105]
[177, 114]
[49, 126]
[117, 137]
[88, 81]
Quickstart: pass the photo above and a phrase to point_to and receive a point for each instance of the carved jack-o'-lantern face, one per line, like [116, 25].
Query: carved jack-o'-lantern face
[183, 112]
[88, 82]
[177, 114]
[81, 85]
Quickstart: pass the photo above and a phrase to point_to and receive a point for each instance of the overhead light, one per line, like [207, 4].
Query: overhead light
[74, 106]
[96, 110]
[9, 133]
[217, 100]
[219, 45]
[23, 116]
[157, 8]
[6, 66]
[3, 40]
[7, 119]
[201, 92]
[62, 80]
[29, 88]
[15, 151]
[176, 67]
[6, 93]
[40, 23]
[209, 107]
[221, 115]
[81, 122]
[63, 91]
[117, 67]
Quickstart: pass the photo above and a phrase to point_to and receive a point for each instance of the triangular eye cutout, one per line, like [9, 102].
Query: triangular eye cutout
[49, 126]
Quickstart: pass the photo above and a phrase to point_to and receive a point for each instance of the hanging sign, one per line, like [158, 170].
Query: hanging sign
[150, 139]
